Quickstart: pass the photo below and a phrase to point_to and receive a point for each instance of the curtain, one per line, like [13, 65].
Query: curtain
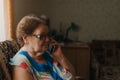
[10, 6]
[2, 30]
[6, 27]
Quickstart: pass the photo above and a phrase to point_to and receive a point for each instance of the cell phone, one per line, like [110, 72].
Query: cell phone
[51, 48]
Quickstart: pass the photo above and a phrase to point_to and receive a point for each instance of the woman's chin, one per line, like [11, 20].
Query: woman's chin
[45, 48]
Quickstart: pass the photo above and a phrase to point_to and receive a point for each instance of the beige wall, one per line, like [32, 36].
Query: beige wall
[98, 19]
[25, 7]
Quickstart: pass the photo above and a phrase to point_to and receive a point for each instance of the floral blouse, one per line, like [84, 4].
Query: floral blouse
[51, 70]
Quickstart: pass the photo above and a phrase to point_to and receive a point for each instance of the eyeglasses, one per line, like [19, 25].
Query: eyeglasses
[41, 36]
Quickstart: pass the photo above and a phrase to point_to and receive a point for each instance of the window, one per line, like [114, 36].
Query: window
[2, 29]
[5, 19]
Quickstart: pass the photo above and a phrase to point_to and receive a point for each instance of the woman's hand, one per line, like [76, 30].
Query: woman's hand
[57, 48]
[59, 56]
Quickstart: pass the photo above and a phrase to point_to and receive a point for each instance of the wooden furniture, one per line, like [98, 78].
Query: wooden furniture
[106, 55]
[106, 51]
[79, 56]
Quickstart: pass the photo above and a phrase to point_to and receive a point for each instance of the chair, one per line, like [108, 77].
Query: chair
[104, 53]
[8, 49]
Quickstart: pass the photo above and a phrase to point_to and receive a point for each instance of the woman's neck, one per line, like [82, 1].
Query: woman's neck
[37, 56]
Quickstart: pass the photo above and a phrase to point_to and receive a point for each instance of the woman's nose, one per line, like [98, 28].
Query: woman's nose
[47, 38]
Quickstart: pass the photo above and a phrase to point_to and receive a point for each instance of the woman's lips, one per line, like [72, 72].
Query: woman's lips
[46, 45]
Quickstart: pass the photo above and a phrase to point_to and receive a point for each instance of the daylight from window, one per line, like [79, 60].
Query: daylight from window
[2, 29]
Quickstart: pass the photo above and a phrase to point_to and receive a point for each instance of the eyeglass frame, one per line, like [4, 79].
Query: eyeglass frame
[41, 36]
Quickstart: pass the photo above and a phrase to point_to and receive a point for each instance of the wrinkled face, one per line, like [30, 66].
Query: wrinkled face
[39, 41]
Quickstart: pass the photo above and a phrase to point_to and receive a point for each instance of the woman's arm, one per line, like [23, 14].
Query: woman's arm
[21, 74]
[59, 56]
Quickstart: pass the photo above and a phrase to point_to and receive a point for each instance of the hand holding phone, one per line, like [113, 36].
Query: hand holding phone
[54, 47]
[51, 48]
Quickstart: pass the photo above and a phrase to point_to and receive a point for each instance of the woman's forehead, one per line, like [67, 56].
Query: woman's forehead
[41, 29]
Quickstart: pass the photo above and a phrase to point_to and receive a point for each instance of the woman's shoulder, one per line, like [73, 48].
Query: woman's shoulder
[19, 58]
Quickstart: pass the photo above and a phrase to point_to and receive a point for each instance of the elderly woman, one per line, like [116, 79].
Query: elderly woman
[34, 61]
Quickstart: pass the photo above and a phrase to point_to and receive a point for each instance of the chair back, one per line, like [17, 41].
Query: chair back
[8, 49]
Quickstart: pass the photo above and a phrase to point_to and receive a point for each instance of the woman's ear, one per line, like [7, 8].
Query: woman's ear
[24, 37]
